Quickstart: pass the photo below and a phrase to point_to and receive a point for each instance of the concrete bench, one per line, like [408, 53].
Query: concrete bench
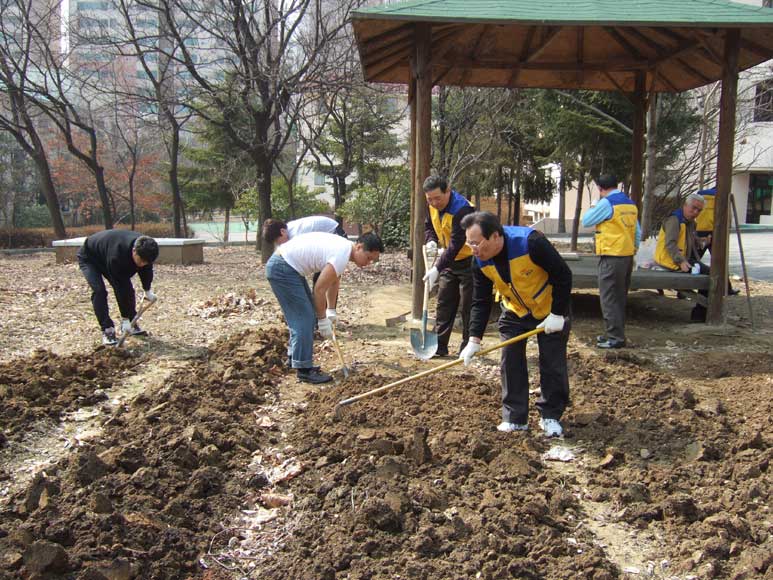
[170, 250]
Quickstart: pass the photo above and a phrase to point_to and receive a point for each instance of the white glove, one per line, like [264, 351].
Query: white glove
[431, 247]
[469, 352]
[432, 275]
[330, 313]
[150, 296]
[553, 323]
[325, 327]
[126, 326]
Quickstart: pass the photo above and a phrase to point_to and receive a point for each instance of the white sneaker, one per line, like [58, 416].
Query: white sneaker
[551, 427]
[506, 427]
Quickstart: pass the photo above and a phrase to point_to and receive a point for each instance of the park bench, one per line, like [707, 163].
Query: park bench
[170, 250]
[585, 275]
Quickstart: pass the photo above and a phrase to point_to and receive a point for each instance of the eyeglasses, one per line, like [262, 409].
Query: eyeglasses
[475, 245]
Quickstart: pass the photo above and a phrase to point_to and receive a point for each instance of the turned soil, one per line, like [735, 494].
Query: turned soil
[195, 453]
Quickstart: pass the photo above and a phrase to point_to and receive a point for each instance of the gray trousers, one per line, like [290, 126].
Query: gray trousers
[614, 281]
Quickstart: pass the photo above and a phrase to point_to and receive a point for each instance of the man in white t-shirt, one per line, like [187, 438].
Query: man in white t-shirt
[277, 232]
[286, 272]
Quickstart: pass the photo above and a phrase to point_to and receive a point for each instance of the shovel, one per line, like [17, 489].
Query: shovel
[344, 368]
[437, 369]
[143, 307]
[424, 343]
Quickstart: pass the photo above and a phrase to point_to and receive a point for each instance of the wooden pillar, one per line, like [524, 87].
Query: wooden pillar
[721, 236]
[637, 149]
[422, 143]
[412, 148]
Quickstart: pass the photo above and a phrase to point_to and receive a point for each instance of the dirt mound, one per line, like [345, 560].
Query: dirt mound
[145, 500]
[47, 385]
[417, 482]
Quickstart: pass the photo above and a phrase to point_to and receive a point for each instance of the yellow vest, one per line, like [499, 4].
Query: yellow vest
[705, 220]
[528, 291]
[662, 256]
[616, 236]
[442, 225]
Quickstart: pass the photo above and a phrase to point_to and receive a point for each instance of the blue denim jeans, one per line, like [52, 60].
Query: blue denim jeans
[292, 292]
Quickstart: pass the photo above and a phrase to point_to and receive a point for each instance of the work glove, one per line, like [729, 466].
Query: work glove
[469, 352]
[432, 275]
[126, 326]
[331, 315]
[553, 323]
[325, 327]
[150, 296]
[431, 247]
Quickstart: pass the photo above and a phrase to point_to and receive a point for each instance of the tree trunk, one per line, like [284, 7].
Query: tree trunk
[518, 197]
[174, 183]
[226, 226]
[49, 192]
[562, 201]
[578, 209]
[500, 187]
[104, 197]
[265, 168]
[649, 170]
[510, 197]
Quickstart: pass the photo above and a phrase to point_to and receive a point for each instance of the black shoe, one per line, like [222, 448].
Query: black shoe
[611, 343]
[601, 338]
[137, 331]
[733, 292]
[314, 376]
[108, 337]
[698, 314]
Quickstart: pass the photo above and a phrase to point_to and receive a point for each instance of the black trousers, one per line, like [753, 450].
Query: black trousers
[454, 293]
[124, 294]
[554, 378]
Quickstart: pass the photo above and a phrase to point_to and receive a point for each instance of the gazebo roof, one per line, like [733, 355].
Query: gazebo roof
[569, 44]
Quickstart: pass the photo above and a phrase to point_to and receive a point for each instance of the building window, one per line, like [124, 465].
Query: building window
[319, 178]
[760, 195]
[763, 102]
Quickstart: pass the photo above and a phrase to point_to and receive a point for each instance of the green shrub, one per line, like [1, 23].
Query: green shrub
[42, 237]
[34, 216]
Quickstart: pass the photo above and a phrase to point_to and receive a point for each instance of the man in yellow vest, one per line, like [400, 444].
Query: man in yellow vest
[617, 239]
[677, 246]
[704, 229]
[442, 229]
[535, 286]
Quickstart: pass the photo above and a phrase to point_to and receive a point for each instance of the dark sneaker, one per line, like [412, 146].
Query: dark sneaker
[733, 292]
[137, 331]
[441, 355]
[611, 343]
[698, 314]
[108, 337]
[314, 376]
[601, 338]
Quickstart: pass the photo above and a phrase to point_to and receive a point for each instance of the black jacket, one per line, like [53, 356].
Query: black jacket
[110, 251]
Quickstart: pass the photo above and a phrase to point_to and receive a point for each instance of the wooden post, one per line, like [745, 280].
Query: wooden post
[637, 149]
[412, 147]
[422, 143]
[721, 235]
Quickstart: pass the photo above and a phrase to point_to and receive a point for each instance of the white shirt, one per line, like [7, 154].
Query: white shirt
[310, 253]
[313, 223]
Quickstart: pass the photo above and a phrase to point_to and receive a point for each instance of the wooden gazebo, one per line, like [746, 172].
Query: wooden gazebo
[636, 47]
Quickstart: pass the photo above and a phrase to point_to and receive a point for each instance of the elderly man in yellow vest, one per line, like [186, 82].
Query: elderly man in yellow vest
[617, 238]
[535, 286]
[442, 229]
[677, 247]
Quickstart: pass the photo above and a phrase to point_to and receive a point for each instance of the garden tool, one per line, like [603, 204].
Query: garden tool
[424, 343]
[344, 368]
[143, 307]
[437, 369]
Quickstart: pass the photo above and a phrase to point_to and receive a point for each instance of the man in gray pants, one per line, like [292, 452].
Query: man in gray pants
[617, 238]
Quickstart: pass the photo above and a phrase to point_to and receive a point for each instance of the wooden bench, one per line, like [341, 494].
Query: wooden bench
[170, 250]
[585, 275]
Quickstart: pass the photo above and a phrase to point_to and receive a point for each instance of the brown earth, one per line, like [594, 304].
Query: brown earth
[206, 458]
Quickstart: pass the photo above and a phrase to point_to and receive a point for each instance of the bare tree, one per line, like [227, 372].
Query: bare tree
[21, 46]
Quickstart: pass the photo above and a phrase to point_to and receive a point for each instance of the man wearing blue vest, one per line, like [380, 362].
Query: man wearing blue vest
[535, 286]
[617, 238]
[442, 229]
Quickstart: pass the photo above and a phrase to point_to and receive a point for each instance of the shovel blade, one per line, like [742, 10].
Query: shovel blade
[425, 349]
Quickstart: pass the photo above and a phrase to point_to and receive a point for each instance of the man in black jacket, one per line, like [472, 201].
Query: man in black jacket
[117, 255]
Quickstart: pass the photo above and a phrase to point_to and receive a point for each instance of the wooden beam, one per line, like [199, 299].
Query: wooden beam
[721, 234]
[637, 149]
[524, 53]
[693, 71]
[580, 52]
[474, 52]
[538, 50]
[622, 41]
[404, 32]
[620, 88]
[423, 143]
[666, 82]
[758, 49]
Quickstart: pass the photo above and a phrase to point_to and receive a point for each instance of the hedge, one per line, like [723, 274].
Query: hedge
[12, 238]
